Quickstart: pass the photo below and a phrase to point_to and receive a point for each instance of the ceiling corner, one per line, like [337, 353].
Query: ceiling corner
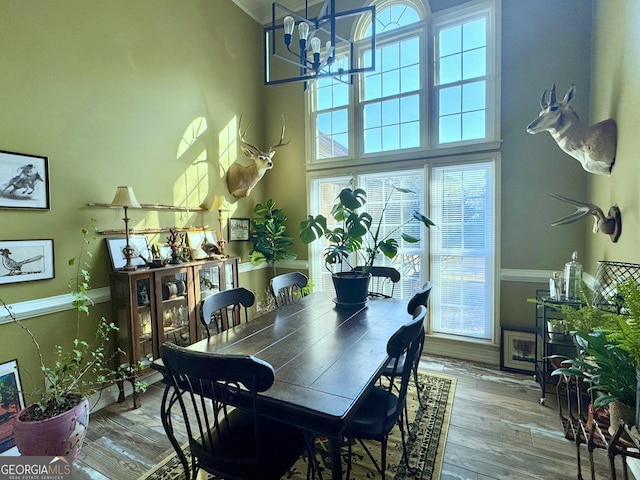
[256, 9]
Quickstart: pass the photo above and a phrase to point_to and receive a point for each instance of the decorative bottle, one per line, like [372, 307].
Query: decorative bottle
[573, 278]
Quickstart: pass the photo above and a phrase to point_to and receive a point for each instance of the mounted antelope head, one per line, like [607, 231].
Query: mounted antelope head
[241, 179]
[593, 146]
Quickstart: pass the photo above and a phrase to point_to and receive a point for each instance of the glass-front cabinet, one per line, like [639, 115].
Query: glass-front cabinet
[154, 306]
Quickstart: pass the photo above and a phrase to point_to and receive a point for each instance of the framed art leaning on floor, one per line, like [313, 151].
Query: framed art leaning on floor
[517, 349]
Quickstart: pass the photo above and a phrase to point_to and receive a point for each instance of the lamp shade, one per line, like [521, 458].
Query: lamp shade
[219, 203]
[125, 198]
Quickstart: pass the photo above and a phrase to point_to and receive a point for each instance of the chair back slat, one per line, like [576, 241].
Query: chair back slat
[223, 309]
[383, 280]
[288, 287]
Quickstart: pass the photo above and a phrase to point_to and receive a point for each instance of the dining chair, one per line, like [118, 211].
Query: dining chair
[384, 406]
[383, 281]
[288, 287]
[223, 309]
[217, 396]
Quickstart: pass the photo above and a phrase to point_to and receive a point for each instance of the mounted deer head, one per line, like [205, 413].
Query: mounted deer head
[593, 146]
[610, 224]
[241, 179]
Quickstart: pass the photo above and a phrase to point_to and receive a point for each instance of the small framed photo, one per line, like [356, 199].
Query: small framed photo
[11, 404]
[116, 245]
[196, 239]
[24, 181]
[239, 229]
[26, 260]
[518, 349]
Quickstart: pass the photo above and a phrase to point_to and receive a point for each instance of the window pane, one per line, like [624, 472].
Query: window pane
[340, 94]
[372, 140]
[323, 122]
[450, 101]
[340, 121]
[390, 138]
[372, 115]
[473, 125]
[474, 34]
[473, 96]
[391, 83]
[450, 40]
[390, 112]
[410, 79]
[449, 129]
[450, 69]
[410, 52]
[390, 57]
[409, 108]
[372, 86]
[325, 99]
[410, 135]
[474, 63]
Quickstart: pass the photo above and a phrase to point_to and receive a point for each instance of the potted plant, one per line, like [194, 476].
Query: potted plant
[356, 233]
[558, 330]
[56, 422]
[269, 235]
[609, 370]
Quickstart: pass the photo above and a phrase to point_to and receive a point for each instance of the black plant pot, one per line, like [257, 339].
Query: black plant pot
[351, 289]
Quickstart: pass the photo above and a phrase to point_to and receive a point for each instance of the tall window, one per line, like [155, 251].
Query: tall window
[417, 120]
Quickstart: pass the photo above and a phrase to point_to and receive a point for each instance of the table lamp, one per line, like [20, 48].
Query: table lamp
[126, 198]
[220, 204]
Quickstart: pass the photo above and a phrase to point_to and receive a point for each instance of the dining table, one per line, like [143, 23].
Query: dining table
[326, 358]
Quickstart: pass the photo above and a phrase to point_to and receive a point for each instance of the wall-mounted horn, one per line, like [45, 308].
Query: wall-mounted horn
[610, 224]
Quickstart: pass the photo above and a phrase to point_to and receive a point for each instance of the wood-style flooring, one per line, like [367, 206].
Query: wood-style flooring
[498, 430]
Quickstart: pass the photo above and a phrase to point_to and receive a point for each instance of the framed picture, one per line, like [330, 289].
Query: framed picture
[517, 349]
[239, 229]
[196, 238]
[24, 181]
[26, 260]
[116, 246]
[12, 402]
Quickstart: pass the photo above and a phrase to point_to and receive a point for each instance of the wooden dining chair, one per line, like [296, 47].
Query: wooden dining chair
[223, 309]
[383, 280]
[384, 405]
[420, 298]
[288, 287]
[217, 395]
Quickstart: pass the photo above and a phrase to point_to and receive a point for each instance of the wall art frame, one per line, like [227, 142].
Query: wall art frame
[116, 245]
[24, 181]
[12, 403]
[518, 349]
[195, 239]
[26, 260]
[239, 229]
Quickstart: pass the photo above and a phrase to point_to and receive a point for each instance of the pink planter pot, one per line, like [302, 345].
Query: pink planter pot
[61, 435]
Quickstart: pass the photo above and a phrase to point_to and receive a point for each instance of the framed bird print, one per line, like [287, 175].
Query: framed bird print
[24, 181]
[26, 260]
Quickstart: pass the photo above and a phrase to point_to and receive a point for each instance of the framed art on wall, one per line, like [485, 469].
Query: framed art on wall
[26, 260]
[116, 245]
[24, 181]
[12, 402]
[517, 349]
[239, 229]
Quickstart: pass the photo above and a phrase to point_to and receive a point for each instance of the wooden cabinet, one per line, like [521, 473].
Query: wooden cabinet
[153, 306]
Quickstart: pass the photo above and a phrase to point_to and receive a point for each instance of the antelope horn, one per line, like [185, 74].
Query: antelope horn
[552, 95]
[543, 103]
[582, 209]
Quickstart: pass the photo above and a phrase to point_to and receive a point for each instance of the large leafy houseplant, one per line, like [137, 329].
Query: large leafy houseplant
[269, 235]
[356, 232]
[78, 370]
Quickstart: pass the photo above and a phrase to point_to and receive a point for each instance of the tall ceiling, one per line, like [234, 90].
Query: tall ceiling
[260, 10]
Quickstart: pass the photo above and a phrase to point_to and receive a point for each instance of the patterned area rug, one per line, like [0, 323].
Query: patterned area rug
[428, 428]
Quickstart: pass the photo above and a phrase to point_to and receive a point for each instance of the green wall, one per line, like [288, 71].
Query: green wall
[615, 94]
[109, 91]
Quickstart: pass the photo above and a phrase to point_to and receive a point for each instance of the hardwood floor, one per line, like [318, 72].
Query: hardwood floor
[498, 431]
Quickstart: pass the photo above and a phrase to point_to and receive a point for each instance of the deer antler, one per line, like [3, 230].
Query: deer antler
[241, 134]
[609, 224]
[280, 143]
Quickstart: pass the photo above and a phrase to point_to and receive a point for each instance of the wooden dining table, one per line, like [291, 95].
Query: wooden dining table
[325, 360]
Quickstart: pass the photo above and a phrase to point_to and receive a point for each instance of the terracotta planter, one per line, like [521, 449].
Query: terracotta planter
[61, 435]
[351, 290]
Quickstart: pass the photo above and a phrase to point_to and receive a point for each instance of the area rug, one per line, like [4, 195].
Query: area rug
[426, 442]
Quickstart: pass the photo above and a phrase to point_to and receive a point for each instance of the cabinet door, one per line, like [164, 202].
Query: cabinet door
[174, 306]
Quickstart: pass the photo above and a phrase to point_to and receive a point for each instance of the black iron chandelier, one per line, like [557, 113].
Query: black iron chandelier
[322, 49]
